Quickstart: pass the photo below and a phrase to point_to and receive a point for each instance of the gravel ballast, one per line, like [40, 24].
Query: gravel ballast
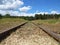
[29, 34]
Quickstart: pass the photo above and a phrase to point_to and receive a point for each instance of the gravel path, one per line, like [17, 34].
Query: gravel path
[29, 34]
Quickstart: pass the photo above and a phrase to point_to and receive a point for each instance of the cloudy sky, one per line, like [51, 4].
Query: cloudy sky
[29, 7]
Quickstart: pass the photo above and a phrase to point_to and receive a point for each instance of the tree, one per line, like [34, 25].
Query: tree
[7, 16]
[0, 16]
[38, 16]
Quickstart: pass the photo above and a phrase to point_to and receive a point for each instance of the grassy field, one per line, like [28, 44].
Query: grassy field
[10, 22]
[51, 21]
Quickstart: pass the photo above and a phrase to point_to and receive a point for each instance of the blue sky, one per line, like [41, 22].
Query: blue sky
[29, 7]
[43, 5]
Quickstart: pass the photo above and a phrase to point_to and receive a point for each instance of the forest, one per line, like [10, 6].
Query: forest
[36, 17]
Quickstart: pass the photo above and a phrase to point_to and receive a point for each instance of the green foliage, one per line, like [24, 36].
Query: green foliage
[27, 17]
[0, 16]
[36, 17]
[47, 16]
[7, 16]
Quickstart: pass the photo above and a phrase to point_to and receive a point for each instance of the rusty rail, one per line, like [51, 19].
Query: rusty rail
[48, 31]
[4, 34]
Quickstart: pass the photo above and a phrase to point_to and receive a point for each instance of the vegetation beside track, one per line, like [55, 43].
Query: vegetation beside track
[49, 21]
[52, 24]
[10, 22]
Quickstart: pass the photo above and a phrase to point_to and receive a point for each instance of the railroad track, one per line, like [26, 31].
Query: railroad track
[51, 33]
[29, 34]
[5, 33]
[48, 31]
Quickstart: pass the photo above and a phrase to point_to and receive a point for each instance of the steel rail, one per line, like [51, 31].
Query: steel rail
[48, 31]
[4, 34]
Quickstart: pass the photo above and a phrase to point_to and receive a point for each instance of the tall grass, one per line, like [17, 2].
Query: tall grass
[9, 20]
[49, 21]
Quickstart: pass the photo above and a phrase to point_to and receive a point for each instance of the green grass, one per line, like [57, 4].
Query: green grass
[9, 20]
[50, 21]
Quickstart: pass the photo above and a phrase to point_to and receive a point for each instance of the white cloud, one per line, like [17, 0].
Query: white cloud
[3, 12]
[16, 13]
[27, 14]
[25, 8]
[54, 12]
[40, 12]
[10, 4]
[43, 12]
[11, 12]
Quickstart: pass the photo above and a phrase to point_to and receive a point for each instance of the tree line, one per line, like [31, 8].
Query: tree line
[36, 17]
[47, 16]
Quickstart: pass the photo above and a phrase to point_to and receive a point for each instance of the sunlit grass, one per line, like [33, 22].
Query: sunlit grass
[9, 20]
[50, 21]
